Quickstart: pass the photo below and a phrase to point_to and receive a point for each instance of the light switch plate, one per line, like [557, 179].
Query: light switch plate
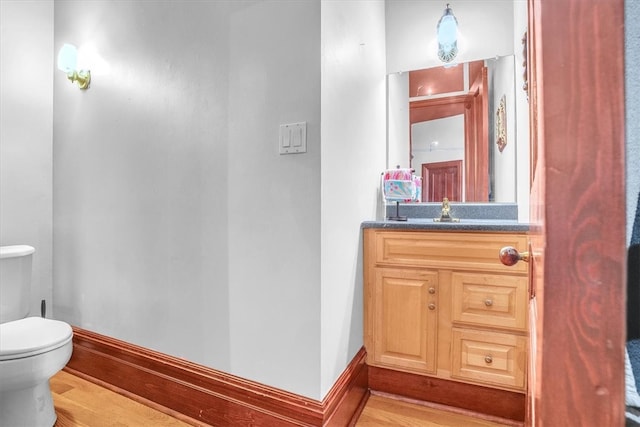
[293, 138]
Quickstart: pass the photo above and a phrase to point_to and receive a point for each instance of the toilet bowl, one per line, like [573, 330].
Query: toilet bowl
[32, 350]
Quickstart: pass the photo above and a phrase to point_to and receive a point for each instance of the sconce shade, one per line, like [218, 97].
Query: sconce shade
[447, 36]
[67, 58]
[68, 62]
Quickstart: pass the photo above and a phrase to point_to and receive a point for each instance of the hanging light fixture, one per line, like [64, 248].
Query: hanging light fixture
[447, 36]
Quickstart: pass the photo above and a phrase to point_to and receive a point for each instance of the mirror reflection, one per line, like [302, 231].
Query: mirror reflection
[456, 126]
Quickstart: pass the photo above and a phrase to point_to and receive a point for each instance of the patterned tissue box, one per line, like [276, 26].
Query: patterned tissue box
[399, 190]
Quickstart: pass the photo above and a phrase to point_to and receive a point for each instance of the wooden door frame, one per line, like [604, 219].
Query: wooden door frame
[474, 106]
[577, 210]
[476, 148]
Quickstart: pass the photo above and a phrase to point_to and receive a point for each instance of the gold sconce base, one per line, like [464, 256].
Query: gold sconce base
[82, 78]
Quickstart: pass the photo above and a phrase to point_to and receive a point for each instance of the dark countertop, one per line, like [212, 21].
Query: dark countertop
[505, 225]
[508, 211]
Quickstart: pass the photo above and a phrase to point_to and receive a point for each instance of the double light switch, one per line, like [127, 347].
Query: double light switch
[293, 138]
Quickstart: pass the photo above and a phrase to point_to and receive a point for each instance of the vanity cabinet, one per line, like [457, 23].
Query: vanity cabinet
[440, 303]
[405, 320]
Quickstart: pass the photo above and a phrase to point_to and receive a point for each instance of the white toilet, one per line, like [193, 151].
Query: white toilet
[32, 349]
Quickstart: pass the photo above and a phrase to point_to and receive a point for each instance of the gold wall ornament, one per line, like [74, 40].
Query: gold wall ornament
[501, 124]
[525, 73]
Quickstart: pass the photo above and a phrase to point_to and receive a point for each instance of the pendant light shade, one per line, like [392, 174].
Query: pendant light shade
[447, 36]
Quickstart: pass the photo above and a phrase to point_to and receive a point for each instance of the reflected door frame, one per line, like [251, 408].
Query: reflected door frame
[475, 107]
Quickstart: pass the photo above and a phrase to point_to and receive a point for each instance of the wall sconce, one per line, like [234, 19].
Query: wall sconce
[447, 36]
[68, 62]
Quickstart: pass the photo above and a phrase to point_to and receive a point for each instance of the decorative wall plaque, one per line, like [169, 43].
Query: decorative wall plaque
[501, 124]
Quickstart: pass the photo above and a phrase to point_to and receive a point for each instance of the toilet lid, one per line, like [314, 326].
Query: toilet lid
[31, 336]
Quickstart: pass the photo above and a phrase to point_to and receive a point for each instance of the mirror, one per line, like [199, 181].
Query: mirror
[463, 128]
[456, 127]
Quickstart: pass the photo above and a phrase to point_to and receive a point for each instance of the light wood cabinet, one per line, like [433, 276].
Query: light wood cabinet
[406, 318]
[441, 304]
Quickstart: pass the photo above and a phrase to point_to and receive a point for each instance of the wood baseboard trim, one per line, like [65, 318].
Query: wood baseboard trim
[481, 400]
[205, 396]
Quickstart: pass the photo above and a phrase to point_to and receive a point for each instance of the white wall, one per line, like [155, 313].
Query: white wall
[447, 132]
[504, 163]
[353, 156]
[26, 116]
[274, 200]
[523, 155]
[177, 225]
[398, 150]
[411, 31]
[140, 178]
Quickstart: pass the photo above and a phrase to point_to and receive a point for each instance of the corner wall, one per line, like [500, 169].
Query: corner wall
[177, 224]
[26, 128]
[353, 156]
[523, 155]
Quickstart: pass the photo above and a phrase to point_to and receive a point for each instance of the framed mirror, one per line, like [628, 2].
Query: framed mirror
[463, 128]
[453, 127]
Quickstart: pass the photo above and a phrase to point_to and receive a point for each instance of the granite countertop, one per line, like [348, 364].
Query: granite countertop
[506, 225]
[486, 217]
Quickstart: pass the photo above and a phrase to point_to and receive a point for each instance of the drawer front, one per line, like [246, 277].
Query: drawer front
[490, 300]
[489, 357]
[478, 251]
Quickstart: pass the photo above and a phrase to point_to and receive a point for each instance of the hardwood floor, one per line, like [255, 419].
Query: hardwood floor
[385, 412]
[81, 403]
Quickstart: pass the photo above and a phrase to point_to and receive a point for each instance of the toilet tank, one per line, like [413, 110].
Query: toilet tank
[15, 281]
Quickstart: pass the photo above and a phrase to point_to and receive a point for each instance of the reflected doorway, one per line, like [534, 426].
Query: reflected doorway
[442, 179]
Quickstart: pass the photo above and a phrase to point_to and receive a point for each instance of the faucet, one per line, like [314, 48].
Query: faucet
[445, 215]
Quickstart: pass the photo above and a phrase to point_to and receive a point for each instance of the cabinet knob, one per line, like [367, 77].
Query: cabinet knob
[431, 306]
[432, 290]
[488, 302]
[488, 359]
[510, 256]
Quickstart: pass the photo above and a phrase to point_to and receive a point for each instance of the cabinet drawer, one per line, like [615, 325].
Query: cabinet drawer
[477, 251]
[489, 357]
[490, 300]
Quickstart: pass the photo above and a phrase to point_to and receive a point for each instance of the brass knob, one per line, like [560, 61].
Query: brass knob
[488, 359]
[432, 306]
[510, 256]
[488, 302]
[432, 290]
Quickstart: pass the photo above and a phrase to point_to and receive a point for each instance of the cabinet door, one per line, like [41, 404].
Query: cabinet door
[405, 306]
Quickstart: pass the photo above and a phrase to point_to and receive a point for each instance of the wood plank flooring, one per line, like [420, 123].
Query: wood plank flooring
[384, 412]
[81, 403]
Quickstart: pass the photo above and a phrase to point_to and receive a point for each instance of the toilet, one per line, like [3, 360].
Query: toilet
[32, 349]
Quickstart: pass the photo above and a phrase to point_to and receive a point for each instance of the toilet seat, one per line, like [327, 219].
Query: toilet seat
[31, 336]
